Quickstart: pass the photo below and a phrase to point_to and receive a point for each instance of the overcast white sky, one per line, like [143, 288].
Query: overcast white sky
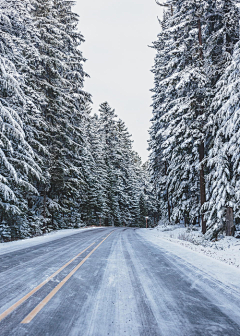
[117, 34]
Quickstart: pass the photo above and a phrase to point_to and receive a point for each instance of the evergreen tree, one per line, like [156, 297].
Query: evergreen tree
[60, 166]
[180, 108]
[109, 135]
[142, 209]
[149, 194]
[60, 78]
[123, 181]
[162, 70]
[193, 50]
[19, 168]
[93, 205]
[224, 28]
[224, 156]
[129, 177]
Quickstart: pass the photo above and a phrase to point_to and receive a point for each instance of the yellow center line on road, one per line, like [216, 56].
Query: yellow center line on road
[17, 304]
[40, 306]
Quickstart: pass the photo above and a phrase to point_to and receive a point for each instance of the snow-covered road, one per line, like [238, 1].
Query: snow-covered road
[122, 284]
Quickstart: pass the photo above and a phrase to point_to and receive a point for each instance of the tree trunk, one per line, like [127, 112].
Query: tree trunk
[44, 205]
[168, 202]
[202, 185]
[169, 211]
[200, 38]
[229, 221]
[201, 146]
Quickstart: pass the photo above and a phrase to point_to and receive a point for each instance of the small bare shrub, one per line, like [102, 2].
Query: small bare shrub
[186, 237]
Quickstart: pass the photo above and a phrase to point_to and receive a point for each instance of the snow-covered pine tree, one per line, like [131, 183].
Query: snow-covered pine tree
[60, 78]
[148, 194]
[123, 174]
[129, 179]
[223, 31]
[18, 161]
[93, 200]
[224, 156]
[193, 50]
[87, 163]
[158, 163]
[108, 131]
[180, 102]
[143, 210]
[35, 126]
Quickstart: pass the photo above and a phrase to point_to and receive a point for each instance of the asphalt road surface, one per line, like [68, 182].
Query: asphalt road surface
[109, 282]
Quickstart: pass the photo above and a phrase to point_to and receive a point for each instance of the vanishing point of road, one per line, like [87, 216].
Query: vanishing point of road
[108, 281]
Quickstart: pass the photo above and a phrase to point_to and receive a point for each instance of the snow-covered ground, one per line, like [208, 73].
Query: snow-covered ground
[226, 249]
[220, 259]
[29, 242]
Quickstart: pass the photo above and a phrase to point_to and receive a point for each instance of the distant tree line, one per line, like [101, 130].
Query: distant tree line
[60, 166]
[195, 132]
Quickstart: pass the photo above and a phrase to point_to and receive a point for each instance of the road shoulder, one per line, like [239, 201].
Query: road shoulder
[226, 274]
[30, 242]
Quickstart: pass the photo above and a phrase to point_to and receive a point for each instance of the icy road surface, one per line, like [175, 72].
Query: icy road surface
[111, 282]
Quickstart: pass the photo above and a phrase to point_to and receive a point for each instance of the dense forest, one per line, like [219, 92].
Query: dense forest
[195, 148]
[61, 166]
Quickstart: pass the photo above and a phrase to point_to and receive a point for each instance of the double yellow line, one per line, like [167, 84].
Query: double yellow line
[36, 310]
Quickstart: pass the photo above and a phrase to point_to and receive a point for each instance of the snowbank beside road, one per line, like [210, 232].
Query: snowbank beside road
[210, 257]
[227, 249]
[29, 242]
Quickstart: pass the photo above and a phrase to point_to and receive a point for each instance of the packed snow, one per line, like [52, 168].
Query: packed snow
[29, 242]
[192, 248]
[226, 249]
